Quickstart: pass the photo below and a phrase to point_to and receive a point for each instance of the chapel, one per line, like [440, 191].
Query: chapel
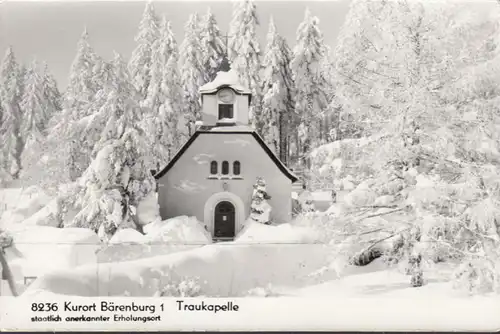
[212, 176]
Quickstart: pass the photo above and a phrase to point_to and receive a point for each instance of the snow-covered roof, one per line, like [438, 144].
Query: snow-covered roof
[224, 79]
[240, 129]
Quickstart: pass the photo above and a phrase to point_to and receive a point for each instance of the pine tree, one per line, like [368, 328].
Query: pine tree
[82, 98]
[213, 46]
[277, 88]
[141, 62]
[120, 108]
[174, 129]
[164, 98]
[310, 85]
[118, 178]
[81, 86]
[51, 92]
[244, 55]
[10, 99]
[191, 57]
[34, 106]
[260, 209]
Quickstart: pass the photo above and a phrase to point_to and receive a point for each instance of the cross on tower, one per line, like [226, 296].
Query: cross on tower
[226, 42]
[224, 66]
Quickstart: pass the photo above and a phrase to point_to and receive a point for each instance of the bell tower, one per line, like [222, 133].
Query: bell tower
[225, 101]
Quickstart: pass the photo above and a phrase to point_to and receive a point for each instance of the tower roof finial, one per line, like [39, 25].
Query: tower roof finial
[225, 65]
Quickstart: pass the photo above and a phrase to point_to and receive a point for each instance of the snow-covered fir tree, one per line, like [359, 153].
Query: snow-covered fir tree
[277, 89]
[118, 178]
[214, 47]
[141, 62]
[330, 124]
[35, 107]
[175, 131]
[192, 72]
[51, 92]
[260, 210]
[310, 98]
[79, 98]
[245, 55]
[81, 84]
[160, 53]
[165, 97]
[10, 98]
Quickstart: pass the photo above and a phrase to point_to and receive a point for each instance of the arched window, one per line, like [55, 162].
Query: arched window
[213, 167]
[236, 168]
[225, 168]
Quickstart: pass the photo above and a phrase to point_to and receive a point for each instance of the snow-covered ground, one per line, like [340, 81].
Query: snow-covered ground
[263, 261]
[261, 255]
[40, 247]
[367, 298]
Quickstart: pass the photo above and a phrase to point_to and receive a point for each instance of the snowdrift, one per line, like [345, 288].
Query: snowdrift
[17, 204]
[223, 269]
[38, 250]
[160, 238]
[182, 229]
[279, 234]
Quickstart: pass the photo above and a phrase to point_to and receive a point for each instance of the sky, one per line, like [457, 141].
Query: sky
[49, 30]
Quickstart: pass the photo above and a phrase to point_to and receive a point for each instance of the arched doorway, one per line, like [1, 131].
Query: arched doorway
[224, 220]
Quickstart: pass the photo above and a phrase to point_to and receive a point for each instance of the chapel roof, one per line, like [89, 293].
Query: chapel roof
[228, 130]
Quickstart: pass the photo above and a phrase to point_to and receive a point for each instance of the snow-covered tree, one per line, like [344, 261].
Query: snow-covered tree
[164, 101]
[310, 98]
[422, 93]
[175, 131]
[141, 62]
[191, 67]
[120, 104]
[34, 106]
[118, 178]
[214, 47]
[79, 99]
[306, 201]
[277, 88]
[81, 85]
[245, 55]
[5, 242]
[260, 210]
[51, 92]
[10, 99]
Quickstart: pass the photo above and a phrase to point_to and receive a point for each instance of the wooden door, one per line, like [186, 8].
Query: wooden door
[224, 220]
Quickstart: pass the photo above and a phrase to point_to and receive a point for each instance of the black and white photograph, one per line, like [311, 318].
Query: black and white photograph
[204, 164]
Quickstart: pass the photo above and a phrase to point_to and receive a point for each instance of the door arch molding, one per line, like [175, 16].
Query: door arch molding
[209, 210]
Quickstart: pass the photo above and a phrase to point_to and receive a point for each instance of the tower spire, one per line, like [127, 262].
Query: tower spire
[224, 65]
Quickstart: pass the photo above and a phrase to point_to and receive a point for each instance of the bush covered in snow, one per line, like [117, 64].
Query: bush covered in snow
[266, 291]
[184, 287]
[260, 210]
[306, 201]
